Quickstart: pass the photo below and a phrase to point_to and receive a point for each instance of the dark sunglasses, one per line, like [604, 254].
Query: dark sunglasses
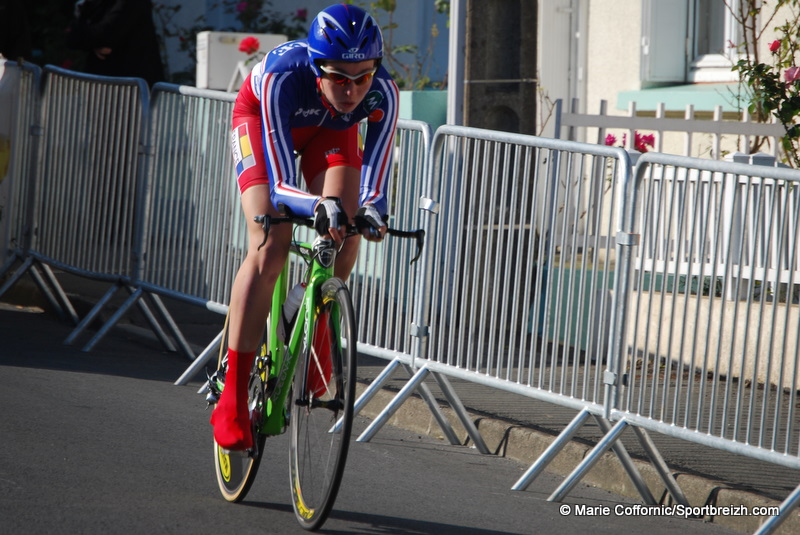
[343, 79]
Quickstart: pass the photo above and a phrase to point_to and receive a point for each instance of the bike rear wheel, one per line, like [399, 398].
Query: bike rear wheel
[322, 395]
[237, 470]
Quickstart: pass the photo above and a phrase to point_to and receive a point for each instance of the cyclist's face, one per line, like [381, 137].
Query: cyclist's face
[346, 95]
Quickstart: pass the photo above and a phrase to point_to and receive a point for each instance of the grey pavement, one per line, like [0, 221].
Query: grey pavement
[514, 426]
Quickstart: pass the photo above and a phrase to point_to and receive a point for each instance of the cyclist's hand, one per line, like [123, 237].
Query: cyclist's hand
[370, 223]
[329, 219]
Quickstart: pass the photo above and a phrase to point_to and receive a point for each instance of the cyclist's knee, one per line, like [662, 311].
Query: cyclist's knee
[346, 258]
[266, 262]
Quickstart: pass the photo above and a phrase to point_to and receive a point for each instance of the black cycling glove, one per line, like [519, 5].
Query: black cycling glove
[328, 214]
[368, 217]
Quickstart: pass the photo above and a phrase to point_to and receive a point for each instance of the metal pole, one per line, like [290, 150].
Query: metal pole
[455, 63]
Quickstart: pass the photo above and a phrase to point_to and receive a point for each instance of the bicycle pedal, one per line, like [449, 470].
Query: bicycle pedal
[215, 381]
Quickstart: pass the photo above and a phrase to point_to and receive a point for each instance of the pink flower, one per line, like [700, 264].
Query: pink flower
[774, 46]
[641, 142]
[249, 45]
[791, 74]
[241, 6]
[611, 140]
[302, 14]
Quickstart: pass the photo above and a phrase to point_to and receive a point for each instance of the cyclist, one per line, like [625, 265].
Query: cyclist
[305, 98]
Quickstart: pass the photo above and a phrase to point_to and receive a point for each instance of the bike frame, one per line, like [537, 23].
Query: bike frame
[284, 358]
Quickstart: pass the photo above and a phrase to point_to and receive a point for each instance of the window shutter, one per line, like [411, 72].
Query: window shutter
[664, 34]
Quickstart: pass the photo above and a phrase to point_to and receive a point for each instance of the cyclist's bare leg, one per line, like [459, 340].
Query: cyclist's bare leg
[248, 311]
[252, 287]
[342, 182]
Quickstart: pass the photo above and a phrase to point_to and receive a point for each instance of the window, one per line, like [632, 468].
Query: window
[716, 36]
[689, 41]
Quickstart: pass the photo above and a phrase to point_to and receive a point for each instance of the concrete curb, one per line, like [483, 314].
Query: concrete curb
[526, 445]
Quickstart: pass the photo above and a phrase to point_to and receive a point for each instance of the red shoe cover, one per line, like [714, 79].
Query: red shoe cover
[231, 417]
[319, 369]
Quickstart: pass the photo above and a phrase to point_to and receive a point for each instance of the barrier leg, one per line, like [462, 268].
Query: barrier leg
[8, 265]
[210, 351]
[26, 265]
[788, 505]
[51, 298]
[455, 402]
[661, 466]
[63, 301]
[552, 450]
[369, 393]
[56, 297]
[436, 411]
[85, 322]
[172, 326]
[628, 464]
[392, 407]
[154, 325]
[373, 388]
[609, 440]
[135, 296]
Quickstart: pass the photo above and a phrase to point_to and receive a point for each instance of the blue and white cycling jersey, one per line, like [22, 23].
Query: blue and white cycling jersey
[285, 89]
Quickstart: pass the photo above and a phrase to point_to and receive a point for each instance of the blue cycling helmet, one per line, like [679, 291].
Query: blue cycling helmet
[344, 32]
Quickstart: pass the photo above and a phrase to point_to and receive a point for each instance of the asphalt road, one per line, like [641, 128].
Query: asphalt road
[103, 442]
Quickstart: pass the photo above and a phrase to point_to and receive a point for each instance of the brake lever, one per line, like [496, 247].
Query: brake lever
[419, 234]
[265, 221]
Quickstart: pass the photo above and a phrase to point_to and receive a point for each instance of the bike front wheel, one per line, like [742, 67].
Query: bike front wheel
[322, 397]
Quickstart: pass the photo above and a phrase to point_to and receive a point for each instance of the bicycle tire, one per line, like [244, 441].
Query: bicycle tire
[318, 456]
[236, 471]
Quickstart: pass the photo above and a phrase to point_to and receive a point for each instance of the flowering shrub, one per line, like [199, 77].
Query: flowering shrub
[641, 142]
[772, 89]
[408, 65]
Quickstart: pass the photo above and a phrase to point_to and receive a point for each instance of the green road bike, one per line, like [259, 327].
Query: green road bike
[305, 383]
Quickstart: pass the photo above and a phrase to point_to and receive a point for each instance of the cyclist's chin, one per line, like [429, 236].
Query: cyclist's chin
[345, 106]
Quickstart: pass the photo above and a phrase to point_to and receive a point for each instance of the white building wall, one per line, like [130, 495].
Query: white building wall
[613, 51]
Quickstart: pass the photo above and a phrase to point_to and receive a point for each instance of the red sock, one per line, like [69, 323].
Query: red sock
[231, 417]
[319, 369]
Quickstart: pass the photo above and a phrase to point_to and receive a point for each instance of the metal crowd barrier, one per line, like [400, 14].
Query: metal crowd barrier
[16, 222]
[711, 334]
[86, 174]
[194, 231]
[192, 203]
[517, 293]
[386, 287]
